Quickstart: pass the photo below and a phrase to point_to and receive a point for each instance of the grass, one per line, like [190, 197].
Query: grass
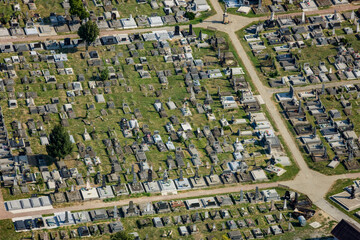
[338, 187]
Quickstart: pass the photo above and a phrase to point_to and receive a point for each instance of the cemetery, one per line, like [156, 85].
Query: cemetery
[272, 212]
[57, 17]
[281, 48]
[324, 122]
[133, 135]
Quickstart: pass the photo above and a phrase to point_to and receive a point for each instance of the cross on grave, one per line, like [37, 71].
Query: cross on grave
[285, 205]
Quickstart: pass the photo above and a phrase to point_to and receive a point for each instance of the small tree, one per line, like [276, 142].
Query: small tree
[190, 15]
[122, 235]
[77, 8]
[104, 74]
[59, 143]
[88, 32]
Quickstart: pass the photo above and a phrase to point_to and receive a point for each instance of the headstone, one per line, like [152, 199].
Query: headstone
[272, 207]
[212, 171]
[181, 177]
[150, 179]
[285, 205]
[196, 172]
[357, 27]
[257, 193]
[272, 18]
[131, 207]
[201, 36]
[134, 174]
[303, 17]
[260, 4]
[191, 32]
[177, 31]
[165, 176]
[352, 17]
[115, 212]
[241, 195]
[66, 217]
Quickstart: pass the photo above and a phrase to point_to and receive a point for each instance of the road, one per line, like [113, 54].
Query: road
[309, 182]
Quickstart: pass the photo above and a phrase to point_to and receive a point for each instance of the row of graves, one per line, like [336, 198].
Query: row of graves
[258, 7]
[107, 17]
[337, 131]
[253, 214]
[288, 36]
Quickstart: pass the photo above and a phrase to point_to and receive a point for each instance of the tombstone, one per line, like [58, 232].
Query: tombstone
[212, 170]
[303, 17]
[280, 217]
[285, 205]
[257, 193]
[333, 32]
[115, 212]
[213, 227]
[314, 131]
[260, 4]
[352, 192]
[119, 181]
[196, 172]
[134, 174]
[291, 91]
[150, 179]
[352, 17]
[357, 27]
[299, 108]
[66, 217]
[166, 177]
[67, 41]
[177, 31]
[335, 17]
[181, 177]
[323, 89]
[131, 208]
[188, 165]
[241, 195]
[272, 207]
[201, 38]
[290, 1]
[219, 53]
[289, 227]
[272, 17]
[296, 198]
[191, 32]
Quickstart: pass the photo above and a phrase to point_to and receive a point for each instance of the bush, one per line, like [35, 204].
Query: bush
[190, 15]
[104, 74]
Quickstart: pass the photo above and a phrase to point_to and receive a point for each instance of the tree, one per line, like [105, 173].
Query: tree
[59, 143]
[122, 235]
[190, 15]
[104, 74]
[88, 32]
[77, 8]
